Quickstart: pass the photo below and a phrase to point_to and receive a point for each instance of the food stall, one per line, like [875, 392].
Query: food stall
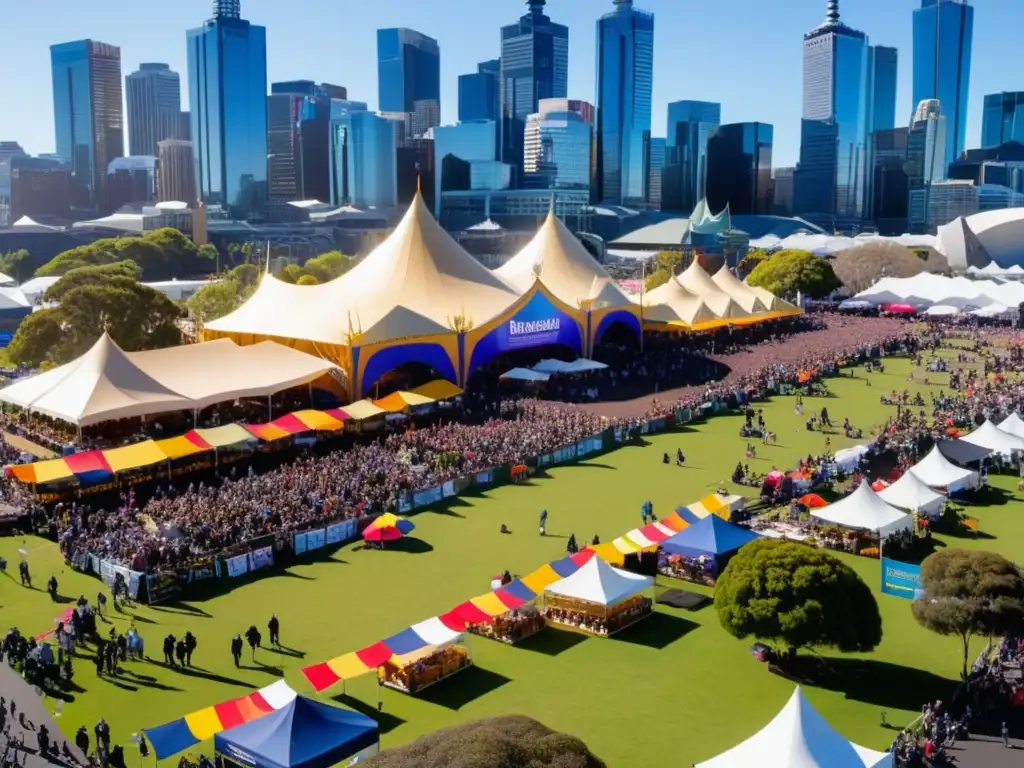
[413, 672]
[700, 552]
[598, 600]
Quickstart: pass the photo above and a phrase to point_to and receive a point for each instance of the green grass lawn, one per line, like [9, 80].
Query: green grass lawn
[675, 689]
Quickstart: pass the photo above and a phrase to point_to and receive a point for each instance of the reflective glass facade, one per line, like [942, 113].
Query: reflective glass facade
[889, 190]
[558, 150]
[153, 97]
[479, 94]
[372, 161]
[341, 113]
[455, 146]
[690, 124]
[534, 66]
[88, 113]
[1002, 119]
[655, 170]
[409, 75]
[740, 168]
[227, 77]
[943, 31]
[882, 65]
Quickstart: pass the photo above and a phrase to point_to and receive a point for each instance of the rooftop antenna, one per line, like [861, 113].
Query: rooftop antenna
[832, 12]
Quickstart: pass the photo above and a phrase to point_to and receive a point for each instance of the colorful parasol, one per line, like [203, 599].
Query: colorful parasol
[813, 501]
[387, 527]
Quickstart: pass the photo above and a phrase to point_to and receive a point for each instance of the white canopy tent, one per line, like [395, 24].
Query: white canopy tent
[582, 365]
[988, 435]
[799, 737]
[910, 494]
[599, 583]
[1013, 424]
[936, 471]
[524, 374]
[864, 510]
[848, 458]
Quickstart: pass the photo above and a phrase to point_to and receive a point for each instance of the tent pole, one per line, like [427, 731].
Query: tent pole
[311, 394]
[270, 409]
[195, 417]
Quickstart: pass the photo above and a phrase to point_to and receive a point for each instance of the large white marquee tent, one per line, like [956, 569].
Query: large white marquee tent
[927, 290]
[601, 584]
[988, 435]
[936, 471]
[910, 494]
[1013, 424]
[864, 510]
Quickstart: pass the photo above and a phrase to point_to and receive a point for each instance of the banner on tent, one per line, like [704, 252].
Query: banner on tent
[340, 532]
[237, 566]
[261, 558]
[901, 579]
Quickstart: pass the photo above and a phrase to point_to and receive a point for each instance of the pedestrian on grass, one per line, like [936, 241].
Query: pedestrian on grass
[102, 731]
[190, 646]
[1005, 733]
[236, 649]
[274, 627]
[26, 577]
[253, 636]
[82, 740]
[101, 604]
[169, 643]
[543, 522]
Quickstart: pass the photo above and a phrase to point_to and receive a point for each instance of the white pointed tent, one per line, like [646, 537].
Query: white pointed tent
[598, 583]
[742, 294]
[696, 280]
[1013, 424]
[799, 737]
[936, 471]
[910, 494]
[864, 510]
[101, 385]
[988, 435]
[773, 302]
[670, 302]
[558, 259]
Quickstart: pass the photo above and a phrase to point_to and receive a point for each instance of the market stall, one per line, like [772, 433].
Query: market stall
[989, 436]
[864, 510]
[937, 472]
[911, 495]
[701, 551]
[511, 627]
[415, 671]
[598, 599]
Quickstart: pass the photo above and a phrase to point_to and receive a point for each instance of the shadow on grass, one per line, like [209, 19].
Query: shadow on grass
[214, 678]
[284, 650]
[989, 496]
[292, 575]
[552, 641]
[878, 683]
[136, 683]
[182, 609]
[386, 722]
[261, 667]
[465, 687]
[410, 545]
[658, 631]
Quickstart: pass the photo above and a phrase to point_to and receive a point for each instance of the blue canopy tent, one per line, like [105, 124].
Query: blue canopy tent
[304, 734]
[711, 538]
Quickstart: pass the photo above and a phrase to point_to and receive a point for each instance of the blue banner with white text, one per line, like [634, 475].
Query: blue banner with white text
[901, 579]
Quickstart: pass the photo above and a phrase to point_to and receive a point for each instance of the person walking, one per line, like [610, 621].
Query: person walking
[274, 627]
[543, 522]
[51, 588]
[1004, 731]
[26, 577]
[190, 646]
[253, 636]
[102, 731]
[82, 740]
[236, 649]
[101, 604]
[169, 643]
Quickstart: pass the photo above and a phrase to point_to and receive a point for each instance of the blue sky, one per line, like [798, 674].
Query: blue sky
[744, 53]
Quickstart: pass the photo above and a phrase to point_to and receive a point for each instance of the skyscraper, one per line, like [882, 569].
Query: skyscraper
[690, 123]
[455, 148]
[740, 168]
[558, 145]
[8, 151]
[534, 66]
[829, 182]
[153, 97]
[889, 190]
[655, 171]
[372, 162]
[131, 180]
[943, 31]
[227, 84]
[284, 175]
[409, 76]
[342, 111]
[882, 66]
[479, 93]
[1002, 119]
[625, 61]
[88, 113]
[176, 172]
[926, 159]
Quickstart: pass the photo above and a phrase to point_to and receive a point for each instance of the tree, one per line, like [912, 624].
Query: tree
[789, 271]
[967, 593]
[94, 254]
[860, 267]
[105, 274]
[666, 265]
[246, 275]
[798, 596]
[163, 254]
[215, 300]
[210, 254]
[290, 273]
[327, 266]
[17, 265]
[37, 334]
[307, 280]
[751, 260]
[510, 741]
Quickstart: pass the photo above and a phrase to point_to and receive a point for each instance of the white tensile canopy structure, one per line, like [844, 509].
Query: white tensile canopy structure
[988, 435]
[597, 582]
[580, 365]
[1013, 424]
[926, 290]
[742, 294]
[773, 302]
[910, 494]
[864, 510]
[567, 269]
[936, 471]
[696, 280]
[849, 458]
[670, 302]
[524, 374]
[799, 737]
[107, 383]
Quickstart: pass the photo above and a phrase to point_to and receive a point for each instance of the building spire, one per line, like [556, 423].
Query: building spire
[536, 6]
[227, 9]
[832, 13]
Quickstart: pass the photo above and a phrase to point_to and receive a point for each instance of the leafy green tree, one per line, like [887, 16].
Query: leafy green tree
[106, 274]
[307, 280]
[163, 254]
[17, 265]
[666, 265]
[968, 593]
[92, 255]
[215, 300]
[751, 260]
[37, 334]
[328, 266]
[209, 253]
[290, 273]
[246, 275]
[789, 271]
[797, 596]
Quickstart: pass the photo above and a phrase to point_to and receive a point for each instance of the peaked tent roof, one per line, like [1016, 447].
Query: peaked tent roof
[1013, 424]
[303, 734]
[672, 303]
[773, 302]
[799, 737]
[988, 435]
[597, 582]
[711, 534]
[558, 259]
[101, 385]
[744, 295]
[910, 494]
[864, 509]
[961, 452]
[697, 281]
[937, 471]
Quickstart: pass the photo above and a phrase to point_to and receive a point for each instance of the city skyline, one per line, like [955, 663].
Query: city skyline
[747, 93]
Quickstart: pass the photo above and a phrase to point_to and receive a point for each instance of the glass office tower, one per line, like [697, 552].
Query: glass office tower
[943, 31]
[656, 149]
[740, 168]
[341, 112]
[882, 66]
[690, 124]
[479, 93]
[153, 96]
[227, 78]
[409, 76]
[534, 66]
[88, 114]
[625, 58]
[830, 184]
[1002, 119]
[455, 148]
[372, 161]
[558, 151]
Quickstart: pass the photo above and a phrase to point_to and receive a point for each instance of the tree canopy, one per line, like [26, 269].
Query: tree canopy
[510, 741]
[215, 300]
[788, 271]
[751, 260]
[93, 300]
[307, 280]
[163, 254]
[967, 593]
[666, 265]
[860, 267]
[17, 265]
[322, 269]
[798, 596]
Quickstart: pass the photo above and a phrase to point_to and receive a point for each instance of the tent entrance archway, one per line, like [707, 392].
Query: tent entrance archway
[404, 376]
[524, 358]
[619, 334]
